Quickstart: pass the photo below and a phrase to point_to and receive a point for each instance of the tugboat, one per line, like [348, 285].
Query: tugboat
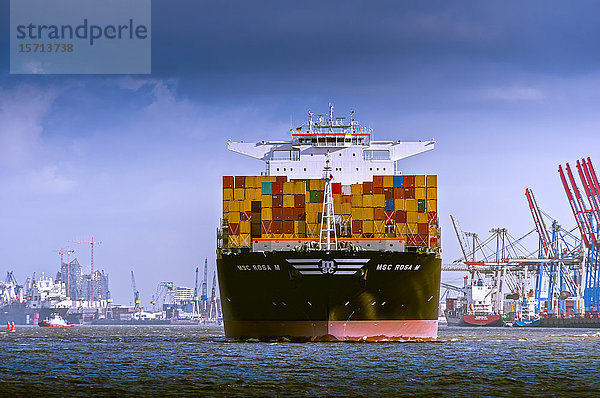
[54, 321]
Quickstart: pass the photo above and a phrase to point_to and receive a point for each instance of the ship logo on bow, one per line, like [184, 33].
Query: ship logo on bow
[317, 266]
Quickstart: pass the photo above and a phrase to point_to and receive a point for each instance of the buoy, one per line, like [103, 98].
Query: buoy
[13, 327]
[7, 325]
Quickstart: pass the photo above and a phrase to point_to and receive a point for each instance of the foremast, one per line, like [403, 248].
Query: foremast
[328, 235]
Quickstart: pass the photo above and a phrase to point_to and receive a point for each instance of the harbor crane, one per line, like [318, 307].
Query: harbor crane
[195, 304]
[136, 295]
[62, 251]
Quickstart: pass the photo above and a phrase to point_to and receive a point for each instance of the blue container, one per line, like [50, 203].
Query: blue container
[389, 205]
[398, 181]
[266, 188]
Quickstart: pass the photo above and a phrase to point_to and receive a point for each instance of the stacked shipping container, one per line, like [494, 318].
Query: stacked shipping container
[398, 207]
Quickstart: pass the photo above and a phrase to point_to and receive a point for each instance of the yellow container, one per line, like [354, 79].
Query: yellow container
[431, 193]
[356, 201]
[266, 214]
[314, 207]
[356, 189]
[246, 205]
[238, 193]
[299, 187]
[422, 218]
[380, 227]
[234, 217]
[234, 205]
[432, 205]
[379, 200]
[420, 193]
[368, 213]
[288, 200]
[225, 206]
[412, 217]
[357, 213]
[346, 209]
[388, 181]
[266, 200]
[367, 200]
[399, 204]
[299, 227]
[433, 231]
[227, 193]
[244, 240]
[316, 185]
[401, 229]
[337, 200]
[420, 181]
[411, 204]
[288, 188]
[312, 230]
[312, 217]
[432, 180]
[368, 227]
[411, 228]
[244, 227]
[250, 182]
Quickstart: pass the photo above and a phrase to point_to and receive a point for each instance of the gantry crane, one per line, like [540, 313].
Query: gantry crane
[136, 295]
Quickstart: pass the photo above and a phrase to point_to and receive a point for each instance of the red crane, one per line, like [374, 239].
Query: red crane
[578, 208]
[539, 224]
[92, 243]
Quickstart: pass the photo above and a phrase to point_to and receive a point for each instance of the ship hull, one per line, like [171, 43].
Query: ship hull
[319, 296]
[481, 320]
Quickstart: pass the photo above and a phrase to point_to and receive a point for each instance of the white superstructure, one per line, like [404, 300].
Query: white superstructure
[353, 155]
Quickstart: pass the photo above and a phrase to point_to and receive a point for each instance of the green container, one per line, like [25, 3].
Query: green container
[315, 197]
[266, 188]
[421, 205]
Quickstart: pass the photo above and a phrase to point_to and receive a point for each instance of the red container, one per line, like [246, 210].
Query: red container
[288, 227]
[277, 227]
[245, 215]
[433, 241]
[411, 240]
[367, 188]
[234, 229]
[277, 188]
[336, 187]
[377, 190]
[400, 216]
[227, 181]
[389, 193]
[423, 228]
[389, 217]
[277, 213]
[281, 179]
[266, 227]
[357, 227]
[347, 199]
[288, 214]
[378, 181]
[422, 240]
[409, 193]
[432, 216]
[240, 182]
[379, 213]
[277, 201]
[398, 193]
[299, 200]
[299, 214]
[409, 181]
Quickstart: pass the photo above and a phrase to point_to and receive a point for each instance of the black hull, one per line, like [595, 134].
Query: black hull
[330, 296]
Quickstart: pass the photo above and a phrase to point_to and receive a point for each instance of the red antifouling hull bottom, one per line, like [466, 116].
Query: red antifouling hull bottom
[384, 330]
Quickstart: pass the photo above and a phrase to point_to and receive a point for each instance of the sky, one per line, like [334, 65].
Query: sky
[509, 90]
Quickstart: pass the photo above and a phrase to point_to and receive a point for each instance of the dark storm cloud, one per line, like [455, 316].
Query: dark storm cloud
[239, 46]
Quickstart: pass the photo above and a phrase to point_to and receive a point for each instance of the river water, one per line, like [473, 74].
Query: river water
[199, 361]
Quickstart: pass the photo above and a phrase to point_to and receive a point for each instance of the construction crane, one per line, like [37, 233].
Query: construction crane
[92, 243]
[195, 304]
[136, 295]
[158, 297]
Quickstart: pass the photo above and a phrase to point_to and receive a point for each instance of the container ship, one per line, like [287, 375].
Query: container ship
[332, 241]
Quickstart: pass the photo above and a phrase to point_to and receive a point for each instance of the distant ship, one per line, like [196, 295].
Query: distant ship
[475, 308]
[332, 242]
[54, 321]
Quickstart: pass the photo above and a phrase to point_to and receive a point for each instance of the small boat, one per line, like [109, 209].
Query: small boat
[526, 322]
[54, 321]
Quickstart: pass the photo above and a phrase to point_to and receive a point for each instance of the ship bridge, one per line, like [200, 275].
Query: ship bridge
[355, 157]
